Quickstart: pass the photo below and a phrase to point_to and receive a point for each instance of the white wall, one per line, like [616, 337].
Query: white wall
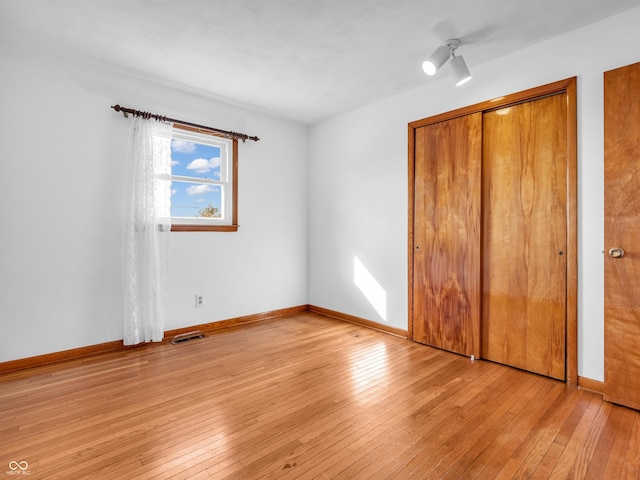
[358, 175]
[61, 208]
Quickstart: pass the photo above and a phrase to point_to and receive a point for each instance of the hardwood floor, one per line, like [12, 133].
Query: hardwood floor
[306, 397]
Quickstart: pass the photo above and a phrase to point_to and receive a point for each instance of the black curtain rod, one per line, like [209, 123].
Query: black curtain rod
[223, 133]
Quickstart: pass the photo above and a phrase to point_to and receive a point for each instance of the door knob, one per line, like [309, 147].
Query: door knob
[616, 252]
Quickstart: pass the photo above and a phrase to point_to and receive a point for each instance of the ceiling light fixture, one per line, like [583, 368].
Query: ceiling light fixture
[441, 55]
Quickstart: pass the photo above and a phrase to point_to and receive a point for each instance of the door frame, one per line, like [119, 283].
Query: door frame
[568, 87]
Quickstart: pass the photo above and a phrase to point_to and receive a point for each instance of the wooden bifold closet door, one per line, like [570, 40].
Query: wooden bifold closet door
[448, 162]
[525, 236]
[489, 232]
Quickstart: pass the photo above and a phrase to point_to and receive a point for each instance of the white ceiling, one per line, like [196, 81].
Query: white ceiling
[305, 60]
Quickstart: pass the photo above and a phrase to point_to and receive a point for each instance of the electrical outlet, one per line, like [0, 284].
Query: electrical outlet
[199, 300]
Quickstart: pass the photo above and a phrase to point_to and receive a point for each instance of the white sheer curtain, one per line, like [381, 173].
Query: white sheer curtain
[148, 225]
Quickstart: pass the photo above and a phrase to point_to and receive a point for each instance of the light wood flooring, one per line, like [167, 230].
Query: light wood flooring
[306, 397]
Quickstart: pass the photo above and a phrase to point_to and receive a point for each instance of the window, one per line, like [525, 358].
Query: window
[204, 179]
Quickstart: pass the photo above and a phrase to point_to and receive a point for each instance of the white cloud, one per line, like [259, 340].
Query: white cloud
[174, 191]
[214, 162]
[174, 163]
[202, 165]
[182, 146]
[199, 189]
[199, 165]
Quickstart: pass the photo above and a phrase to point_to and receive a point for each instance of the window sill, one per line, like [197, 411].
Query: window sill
[204, 228]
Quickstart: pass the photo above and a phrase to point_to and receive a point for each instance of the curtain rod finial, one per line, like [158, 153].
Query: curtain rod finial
[118, 108]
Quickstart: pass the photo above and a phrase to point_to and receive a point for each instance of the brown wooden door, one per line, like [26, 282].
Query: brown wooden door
[446, 281]
[525, 235]
[622, 230]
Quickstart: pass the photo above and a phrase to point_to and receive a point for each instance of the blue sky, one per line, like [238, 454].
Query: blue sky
[195, 160]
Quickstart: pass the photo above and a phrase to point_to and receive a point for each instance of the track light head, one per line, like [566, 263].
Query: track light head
[436, 60]
[460, 70]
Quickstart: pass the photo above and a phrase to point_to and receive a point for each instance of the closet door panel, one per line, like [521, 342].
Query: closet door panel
[525, 236]
[447, 222]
